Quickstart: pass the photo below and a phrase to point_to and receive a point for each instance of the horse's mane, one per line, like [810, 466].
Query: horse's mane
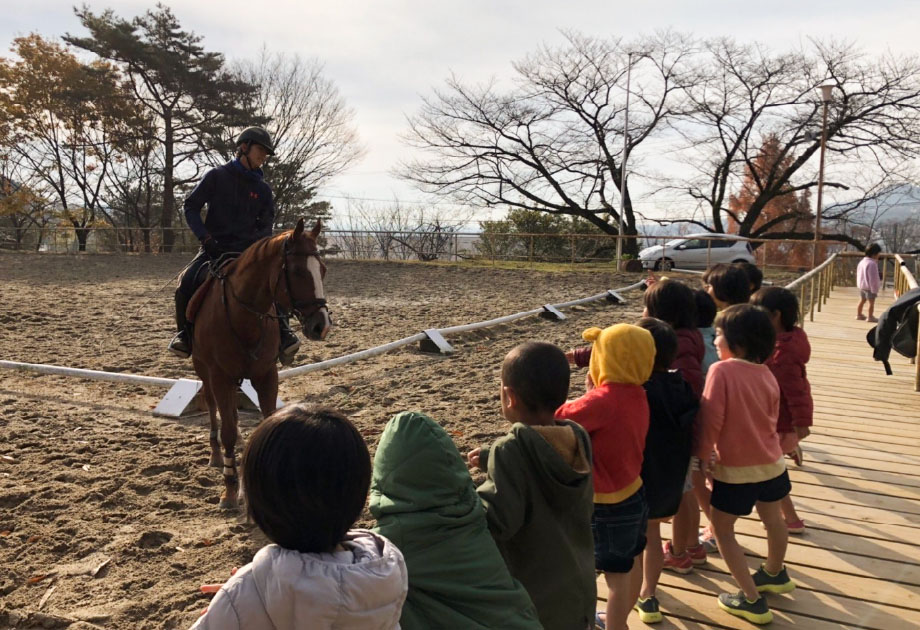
[263, 248]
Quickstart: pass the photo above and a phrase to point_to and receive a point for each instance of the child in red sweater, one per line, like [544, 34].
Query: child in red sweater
[615, 414]
[738, 417]
[787, 363]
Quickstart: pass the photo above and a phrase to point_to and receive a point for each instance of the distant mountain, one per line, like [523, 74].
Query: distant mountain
[894, 205]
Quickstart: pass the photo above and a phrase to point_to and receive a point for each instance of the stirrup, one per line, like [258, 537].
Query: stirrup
[288, 352]
[179, 346]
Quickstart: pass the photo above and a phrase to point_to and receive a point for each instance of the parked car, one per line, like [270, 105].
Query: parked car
[697, 251]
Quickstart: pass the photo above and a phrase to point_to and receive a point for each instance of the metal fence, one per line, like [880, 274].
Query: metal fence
[418, 245]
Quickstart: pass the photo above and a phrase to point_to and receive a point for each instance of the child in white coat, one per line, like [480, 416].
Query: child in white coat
[307, 472]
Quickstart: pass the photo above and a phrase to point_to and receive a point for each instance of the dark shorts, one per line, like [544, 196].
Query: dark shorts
[739, 498]
[619, 533]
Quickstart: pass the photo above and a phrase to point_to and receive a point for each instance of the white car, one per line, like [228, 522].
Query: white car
[697, 251]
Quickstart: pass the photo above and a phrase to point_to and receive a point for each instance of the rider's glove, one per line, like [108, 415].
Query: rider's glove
[211, 247]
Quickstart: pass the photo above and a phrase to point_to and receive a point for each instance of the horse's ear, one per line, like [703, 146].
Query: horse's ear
[298, 229]
[317, 229]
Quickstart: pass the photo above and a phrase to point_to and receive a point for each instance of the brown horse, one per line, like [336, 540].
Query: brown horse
[236, 332]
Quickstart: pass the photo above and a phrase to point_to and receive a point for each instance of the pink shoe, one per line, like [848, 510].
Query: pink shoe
[697, 554]
[797, 456]
[796, 527]
[680, 564]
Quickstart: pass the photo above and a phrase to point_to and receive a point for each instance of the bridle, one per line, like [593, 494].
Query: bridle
[297, 306]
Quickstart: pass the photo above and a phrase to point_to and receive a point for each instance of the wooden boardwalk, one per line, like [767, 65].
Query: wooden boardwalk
[858, 563]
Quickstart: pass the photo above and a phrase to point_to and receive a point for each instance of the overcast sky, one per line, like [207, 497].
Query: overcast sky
[385, 54]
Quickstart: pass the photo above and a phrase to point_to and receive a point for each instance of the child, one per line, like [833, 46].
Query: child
[538, 494]
[615, 414]
[755, 275]
[867, 281]
[705, 314]
[671, 302]
[727, 284]
[306, 472]
[424, 501]
[738, 416]
[787, 363]
[672, 407]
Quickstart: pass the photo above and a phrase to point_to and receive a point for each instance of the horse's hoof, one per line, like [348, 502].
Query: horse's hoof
[229, 505]
[216, 461]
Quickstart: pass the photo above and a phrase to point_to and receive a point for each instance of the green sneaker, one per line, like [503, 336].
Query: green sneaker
[737, 604]
[779, 583]
[648, 610]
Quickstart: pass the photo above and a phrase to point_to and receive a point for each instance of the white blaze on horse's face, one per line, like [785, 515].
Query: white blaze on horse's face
[321, 317]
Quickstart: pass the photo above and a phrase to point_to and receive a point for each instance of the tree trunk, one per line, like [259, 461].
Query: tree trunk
[82, 234]
[166, 218]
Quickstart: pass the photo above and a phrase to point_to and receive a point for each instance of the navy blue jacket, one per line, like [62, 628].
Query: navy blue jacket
[240, 207]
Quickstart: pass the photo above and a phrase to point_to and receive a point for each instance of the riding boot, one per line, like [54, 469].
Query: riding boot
[181, 344]
[290, 344]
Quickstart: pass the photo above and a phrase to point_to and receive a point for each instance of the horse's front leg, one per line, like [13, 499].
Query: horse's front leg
[225, 394]
[208, 395]
[266, 387]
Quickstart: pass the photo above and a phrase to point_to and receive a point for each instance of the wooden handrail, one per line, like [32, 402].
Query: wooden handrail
[902, 273]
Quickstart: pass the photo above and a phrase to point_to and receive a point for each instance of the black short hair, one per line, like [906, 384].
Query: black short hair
[873, 249]
[538, 372]
[672, 301]
[306, 471]
[748, 331]
[665, 342]
[782, 300]
[755, 275]
[705, 309]
[730, 283]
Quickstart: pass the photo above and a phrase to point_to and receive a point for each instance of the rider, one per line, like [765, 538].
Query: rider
[241, 210]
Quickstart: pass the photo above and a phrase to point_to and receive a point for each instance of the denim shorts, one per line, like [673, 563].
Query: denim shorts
[867, 295]
[739, 498]
[619, 533]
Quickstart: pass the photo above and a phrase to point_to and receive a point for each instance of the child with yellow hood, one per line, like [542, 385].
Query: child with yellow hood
[616, 416]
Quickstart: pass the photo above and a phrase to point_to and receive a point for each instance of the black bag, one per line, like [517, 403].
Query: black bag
[896, 329]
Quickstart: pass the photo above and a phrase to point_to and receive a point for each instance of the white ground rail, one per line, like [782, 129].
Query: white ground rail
[183, 393]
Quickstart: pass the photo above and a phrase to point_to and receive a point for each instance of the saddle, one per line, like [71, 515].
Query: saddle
[224, 267]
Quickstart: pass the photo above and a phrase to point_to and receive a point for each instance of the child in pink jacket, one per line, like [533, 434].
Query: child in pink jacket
[867, 281]
[738, 416]
[787, 363]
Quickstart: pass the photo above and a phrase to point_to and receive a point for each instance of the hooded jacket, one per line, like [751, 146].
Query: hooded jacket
[424, 501]
[672, 412]
[615, 412]
[359, 588]
[787, 363]
[689, 359]
[241, 208]
[538, 501]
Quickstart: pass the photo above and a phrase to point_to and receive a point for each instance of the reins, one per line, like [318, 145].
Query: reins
[214, 268]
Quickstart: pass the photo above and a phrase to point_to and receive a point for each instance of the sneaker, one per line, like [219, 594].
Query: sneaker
[648, 610]
[290, 345]
[779, 583]
[708, 540]
[680, 564]
[697, 554]
[796, 527]
[180, 346]
[598, 622]
[737, 604]
[861, 317]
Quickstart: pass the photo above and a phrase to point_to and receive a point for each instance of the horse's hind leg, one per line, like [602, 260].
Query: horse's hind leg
[225, 395]
[208, 396]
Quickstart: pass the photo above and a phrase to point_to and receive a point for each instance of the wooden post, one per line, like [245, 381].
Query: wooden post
[811, 303]
[802, 304]
[572, 243]
[820, 289]
[884, 272]
[531, 250]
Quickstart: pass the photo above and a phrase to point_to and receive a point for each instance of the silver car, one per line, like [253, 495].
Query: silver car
[697, 251]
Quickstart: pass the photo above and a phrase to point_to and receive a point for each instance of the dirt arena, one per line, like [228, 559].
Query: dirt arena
[108, 515]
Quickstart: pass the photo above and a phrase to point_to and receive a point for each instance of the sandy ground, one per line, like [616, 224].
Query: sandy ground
[108, 515]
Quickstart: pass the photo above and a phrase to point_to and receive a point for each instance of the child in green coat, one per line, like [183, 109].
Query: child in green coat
[425, 503]
[538, 495]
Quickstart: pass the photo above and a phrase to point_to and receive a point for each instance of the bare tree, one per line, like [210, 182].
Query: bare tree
[313, 128]
[747, 93]
[554, 142]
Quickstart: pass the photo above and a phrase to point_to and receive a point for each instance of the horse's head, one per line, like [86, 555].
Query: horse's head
[303, 281]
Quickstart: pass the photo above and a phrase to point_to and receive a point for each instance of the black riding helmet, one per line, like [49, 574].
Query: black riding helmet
[256, 135]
